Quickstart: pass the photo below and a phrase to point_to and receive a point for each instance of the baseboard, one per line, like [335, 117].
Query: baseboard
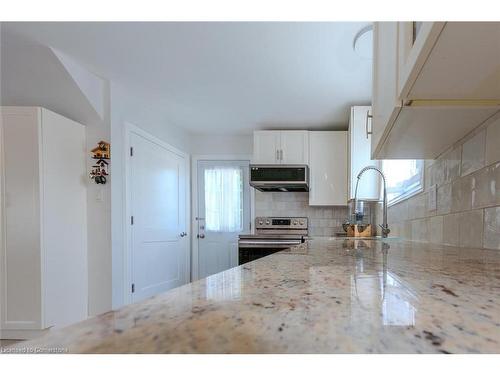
[22, 334]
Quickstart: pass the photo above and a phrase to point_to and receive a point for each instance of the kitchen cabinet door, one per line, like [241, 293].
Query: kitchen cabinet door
[462, 65]
[359, 145]
[415, 41]
[328, 168]
[266, 147]
[294, 147]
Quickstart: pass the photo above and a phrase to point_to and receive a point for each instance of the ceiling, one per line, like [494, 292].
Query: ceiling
[225, 78]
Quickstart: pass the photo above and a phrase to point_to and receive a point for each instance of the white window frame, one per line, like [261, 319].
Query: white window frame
[409, 193]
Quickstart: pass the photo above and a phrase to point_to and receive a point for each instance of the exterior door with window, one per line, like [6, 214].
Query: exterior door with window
[223, 213]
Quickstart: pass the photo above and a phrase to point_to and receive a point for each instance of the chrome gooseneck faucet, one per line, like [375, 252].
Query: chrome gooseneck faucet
[384, 226]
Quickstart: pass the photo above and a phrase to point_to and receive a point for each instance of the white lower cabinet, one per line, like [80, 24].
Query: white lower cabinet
[328, 168]
[44, 222]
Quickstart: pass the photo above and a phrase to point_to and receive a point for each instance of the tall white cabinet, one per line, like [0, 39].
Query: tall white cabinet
[328, 168]
[359, 146]
[44, 229]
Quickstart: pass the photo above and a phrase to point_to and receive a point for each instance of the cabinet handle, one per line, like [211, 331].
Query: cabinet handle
[281, 154]
[277, 154]
[366, 124]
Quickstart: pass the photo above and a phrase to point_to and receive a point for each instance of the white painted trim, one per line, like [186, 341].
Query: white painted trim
[3, 266]
[41, 208]
[402, 198]
[194, 198]
[127, 262]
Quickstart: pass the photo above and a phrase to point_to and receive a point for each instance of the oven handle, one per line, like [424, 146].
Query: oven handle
[272, 243]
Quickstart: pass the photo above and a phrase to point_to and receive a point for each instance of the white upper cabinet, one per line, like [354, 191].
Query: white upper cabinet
[433, 82]
[295, 147]
[266, 147]
[464, 63]
[359, 155]
[328, 168]
[414, 43]
[281, 147]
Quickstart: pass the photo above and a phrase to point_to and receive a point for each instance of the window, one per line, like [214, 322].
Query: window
[224, 199]
[404, 178]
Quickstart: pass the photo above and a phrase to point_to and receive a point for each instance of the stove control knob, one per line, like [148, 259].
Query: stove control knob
[261, 222]
[302, 222]
[268, 222]
[295, 222]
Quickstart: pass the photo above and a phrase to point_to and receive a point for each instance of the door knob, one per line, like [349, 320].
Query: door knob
[184, 234]
[201, 236]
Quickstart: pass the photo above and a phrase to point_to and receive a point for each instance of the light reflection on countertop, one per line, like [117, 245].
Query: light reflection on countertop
[332, 295]
[382, 290]
[224, 286]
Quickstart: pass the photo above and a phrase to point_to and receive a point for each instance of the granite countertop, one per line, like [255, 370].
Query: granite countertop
[331, 296]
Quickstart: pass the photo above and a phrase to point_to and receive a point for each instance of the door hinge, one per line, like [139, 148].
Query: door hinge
[131, 151]
[131, 220]
[133, 288]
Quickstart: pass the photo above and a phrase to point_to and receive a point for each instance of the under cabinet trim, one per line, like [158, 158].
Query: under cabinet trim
[453, 103]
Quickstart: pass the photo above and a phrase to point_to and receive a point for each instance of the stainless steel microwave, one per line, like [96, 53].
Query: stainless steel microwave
[268, 177]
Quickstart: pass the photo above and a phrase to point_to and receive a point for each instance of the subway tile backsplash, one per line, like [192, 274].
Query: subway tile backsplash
[467, 177]
[473, 153]
[491, 237]
[323, 221]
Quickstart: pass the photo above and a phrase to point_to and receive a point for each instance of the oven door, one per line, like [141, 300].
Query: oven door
[252, 249]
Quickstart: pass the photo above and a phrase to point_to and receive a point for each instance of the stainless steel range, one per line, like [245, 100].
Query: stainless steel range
[272, 234]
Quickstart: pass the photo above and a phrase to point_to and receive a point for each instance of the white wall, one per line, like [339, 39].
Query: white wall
[151, 116]
[33, 75]
[99, 222]
[222, 144]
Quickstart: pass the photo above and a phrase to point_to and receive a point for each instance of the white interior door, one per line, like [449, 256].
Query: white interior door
[160, 246]
[223, 213]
